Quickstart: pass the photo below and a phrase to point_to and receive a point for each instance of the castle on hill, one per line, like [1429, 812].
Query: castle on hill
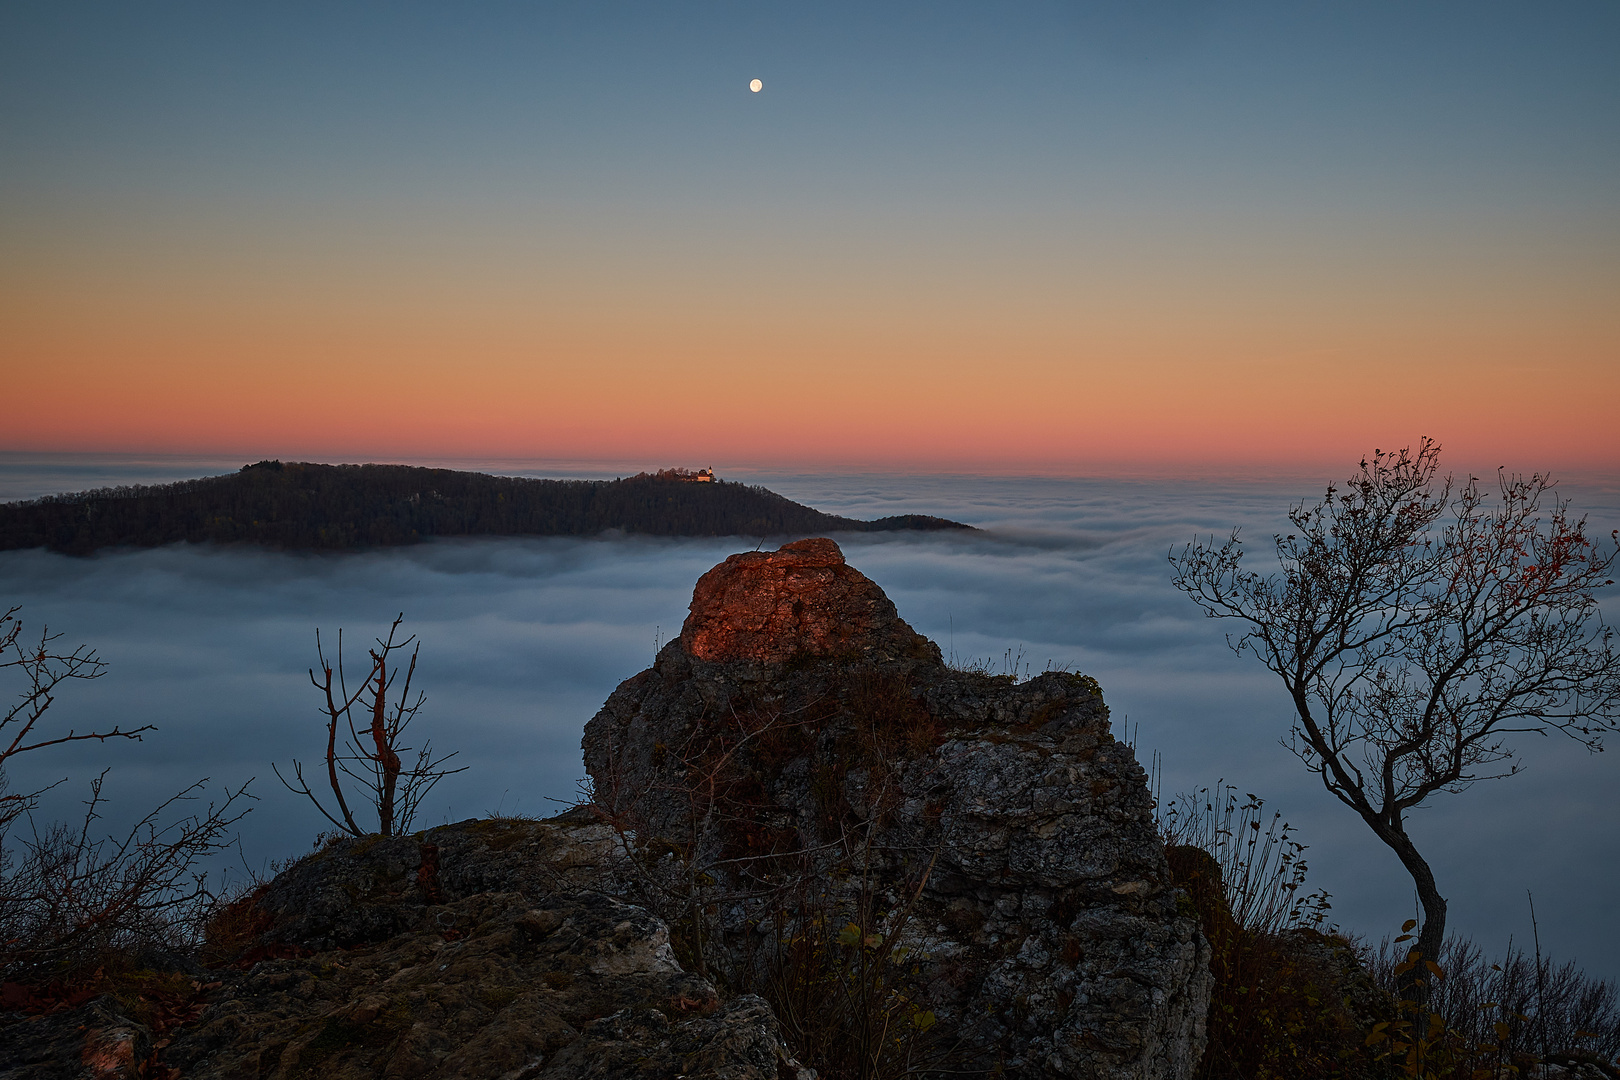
[702, 476]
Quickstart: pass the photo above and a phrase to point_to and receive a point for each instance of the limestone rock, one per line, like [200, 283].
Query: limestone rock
[741, 1042]
[510, 961]
[95, 1041]
[365, 890]
[801, 600]
[993, 831]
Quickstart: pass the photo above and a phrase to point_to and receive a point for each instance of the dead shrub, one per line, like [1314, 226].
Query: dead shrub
[1501, 1017]
[72, 902]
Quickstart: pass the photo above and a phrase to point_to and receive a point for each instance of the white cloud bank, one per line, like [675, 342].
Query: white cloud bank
[523, 639]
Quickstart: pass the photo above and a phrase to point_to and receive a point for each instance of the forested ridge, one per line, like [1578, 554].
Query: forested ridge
[302, 506]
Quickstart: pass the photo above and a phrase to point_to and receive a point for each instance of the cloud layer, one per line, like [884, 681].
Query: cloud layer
[523, 639]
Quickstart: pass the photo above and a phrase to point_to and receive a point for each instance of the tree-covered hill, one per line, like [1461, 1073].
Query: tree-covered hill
[302, 506]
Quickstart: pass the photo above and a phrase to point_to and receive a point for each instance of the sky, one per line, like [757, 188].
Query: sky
[1049, 237]
[524, 638]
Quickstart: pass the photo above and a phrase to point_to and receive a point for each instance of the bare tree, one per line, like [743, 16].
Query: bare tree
[1415, 630]
[66, 896]
[370, 751]
[43, 668]
[74, 896]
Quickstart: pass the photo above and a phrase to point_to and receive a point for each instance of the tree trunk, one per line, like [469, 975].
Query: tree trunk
[1414, 984]
[385, 756]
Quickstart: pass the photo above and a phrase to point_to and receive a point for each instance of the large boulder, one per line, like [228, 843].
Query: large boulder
[97, 1040]
[801, 600]
[807, 791]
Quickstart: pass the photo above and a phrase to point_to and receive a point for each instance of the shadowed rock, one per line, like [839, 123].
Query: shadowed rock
[512, 962]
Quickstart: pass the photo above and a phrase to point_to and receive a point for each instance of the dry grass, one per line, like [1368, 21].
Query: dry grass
[1277, 1013]
[1503, 1016]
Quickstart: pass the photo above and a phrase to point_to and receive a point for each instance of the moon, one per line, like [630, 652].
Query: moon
[756, 86]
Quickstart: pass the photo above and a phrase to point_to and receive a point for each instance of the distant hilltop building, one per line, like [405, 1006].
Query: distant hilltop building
[702, 476]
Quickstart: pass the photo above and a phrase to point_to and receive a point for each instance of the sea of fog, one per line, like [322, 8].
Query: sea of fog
[522, 639]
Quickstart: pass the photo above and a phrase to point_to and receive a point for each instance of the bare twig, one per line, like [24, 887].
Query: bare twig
[372, 759]
[43, 669]
[66, 896]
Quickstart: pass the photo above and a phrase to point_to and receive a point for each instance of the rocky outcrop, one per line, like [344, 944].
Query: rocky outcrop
[485, 949]
[807, 831]
[98, 1040]
[799, 760]
[489, 949]
[801, 600]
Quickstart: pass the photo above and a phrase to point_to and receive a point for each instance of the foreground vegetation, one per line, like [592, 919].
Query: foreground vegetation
[1417, 624]
[1295, 999]
[84, 914]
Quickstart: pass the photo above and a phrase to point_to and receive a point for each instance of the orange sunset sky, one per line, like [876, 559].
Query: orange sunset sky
[1059, 239]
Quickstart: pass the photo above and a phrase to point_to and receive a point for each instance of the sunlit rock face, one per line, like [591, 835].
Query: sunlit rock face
[799, 770]
[801, 600]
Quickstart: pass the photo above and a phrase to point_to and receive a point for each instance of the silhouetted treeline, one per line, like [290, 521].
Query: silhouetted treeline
[334, 507]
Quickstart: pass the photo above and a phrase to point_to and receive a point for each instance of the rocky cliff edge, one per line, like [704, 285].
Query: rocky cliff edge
[807, 831]
[800, 758]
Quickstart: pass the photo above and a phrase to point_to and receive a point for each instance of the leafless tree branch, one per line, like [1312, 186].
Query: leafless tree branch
[368, 752]
[1415, 625]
